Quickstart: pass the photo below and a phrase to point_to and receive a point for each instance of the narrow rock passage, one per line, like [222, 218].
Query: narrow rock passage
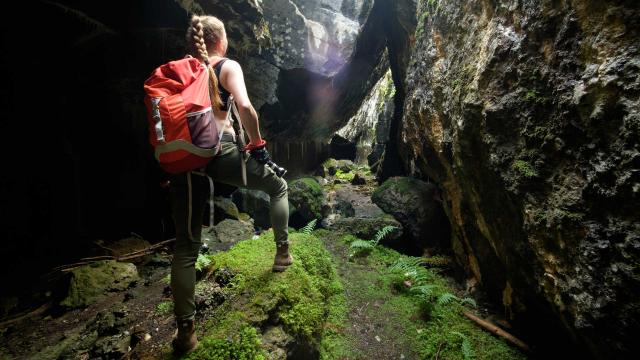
[331, 304]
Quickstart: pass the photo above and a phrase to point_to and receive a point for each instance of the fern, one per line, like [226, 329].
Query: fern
[468, 301]
[407, 264]
[308, 229]
[202, 262]
[467, 349]
[382, 233]
[447, 298]
[424, 291]
[361, 244]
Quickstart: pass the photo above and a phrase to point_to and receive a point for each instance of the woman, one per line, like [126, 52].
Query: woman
[207, 40]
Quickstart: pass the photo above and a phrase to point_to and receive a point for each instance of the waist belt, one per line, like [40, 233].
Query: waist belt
[228, 137]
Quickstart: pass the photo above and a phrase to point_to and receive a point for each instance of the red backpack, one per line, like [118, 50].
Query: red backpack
[182, 129]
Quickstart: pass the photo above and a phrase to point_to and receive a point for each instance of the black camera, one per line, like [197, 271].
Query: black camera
[280, 171]
[262, 156]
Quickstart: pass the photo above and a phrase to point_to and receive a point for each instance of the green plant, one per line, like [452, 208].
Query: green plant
[164, 307]
[243, 346]
[348, 176]
[360, 246]
[203, 262]
[467, 348]
[525, 169]
[308, 229]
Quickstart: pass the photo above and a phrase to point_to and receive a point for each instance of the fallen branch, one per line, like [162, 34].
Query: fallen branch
[35, 312]
[497, 331]
[132, 255]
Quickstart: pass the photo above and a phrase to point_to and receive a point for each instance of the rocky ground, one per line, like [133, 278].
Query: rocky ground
[333, 303]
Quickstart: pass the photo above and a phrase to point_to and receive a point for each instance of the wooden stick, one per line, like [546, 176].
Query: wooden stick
[497, 331]
[128, 256]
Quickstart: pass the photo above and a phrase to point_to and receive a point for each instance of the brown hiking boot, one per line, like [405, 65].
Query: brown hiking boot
[283, 258]
[185, 340]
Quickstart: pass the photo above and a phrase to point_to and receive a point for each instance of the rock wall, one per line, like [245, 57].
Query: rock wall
[369, 127]
[526, 113]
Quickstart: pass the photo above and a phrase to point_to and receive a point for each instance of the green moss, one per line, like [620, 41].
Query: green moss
[245, 345]
[525, 169]
[424, 327]
[387, 90]
[447, 328]
[531, 95]
[306, 197]
[347, 176]
[556, 217]
[313, 185]
[164, 308]
[91, 281]
[305, 299]
[399, 184]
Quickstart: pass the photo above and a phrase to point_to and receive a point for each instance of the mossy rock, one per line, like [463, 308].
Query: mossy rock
[332, 166]
[225, 208]
[306, 202]
[366, 228]
[256, 203]
[90, 281]
[302, 301]
[413, 203]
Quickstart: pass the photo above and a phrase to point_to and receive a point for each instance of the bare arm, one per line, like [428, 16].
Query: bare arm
[233, 80]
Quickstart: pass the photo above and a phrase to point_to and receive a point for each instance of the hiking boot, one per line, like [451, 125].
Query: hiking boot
[185, 340]
[283, 258]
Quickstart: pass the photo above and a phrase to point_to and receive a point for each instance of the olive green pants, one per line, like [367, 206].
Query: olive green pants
[224, 168]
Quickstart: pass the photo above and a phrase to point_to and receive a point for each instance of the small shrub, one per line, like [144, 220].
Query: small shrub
[164, 308]
[203, 262]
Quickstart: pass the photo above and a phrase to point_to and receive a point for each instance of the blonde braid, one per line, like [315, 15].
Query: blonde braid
[200, 45]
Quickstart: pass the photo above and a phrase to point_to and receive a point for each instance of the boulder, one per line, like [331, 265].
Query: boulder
[226, 233]
[367, 227]
[255, 203]
[225, 208]
[87, 283]
[413, 203]
[358, 179]
[344, 208]
[306, 202]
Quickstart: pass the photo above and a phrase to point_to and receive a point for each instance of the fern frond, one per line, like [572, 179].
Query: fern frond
[361, 244]
[202, 262]
[424, 290]
[307, 229]
[469, 301]
[382, 233]
[467, 349]
[407, 263]
[447, 298]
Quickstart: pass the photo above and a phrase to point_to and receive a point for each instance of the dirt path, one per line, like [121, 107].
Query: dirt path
[375, 328]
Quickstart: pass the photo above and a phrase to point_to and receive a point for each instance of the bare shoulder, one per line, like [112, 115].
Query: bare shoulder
[231, 66]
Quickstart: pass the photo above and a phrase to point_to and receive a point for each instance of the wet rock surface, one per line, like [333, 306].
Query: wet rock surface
[227, 233]
[89, 282]
[526, 113]
[256, 204]
[414, 203]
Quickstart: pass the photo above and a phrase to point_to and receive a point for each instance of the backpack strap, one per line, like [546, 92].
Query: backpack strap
[211, 193]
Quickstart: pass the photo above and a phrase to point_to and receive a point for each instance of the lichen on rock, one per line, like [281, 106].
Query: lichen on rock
[88, 282]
